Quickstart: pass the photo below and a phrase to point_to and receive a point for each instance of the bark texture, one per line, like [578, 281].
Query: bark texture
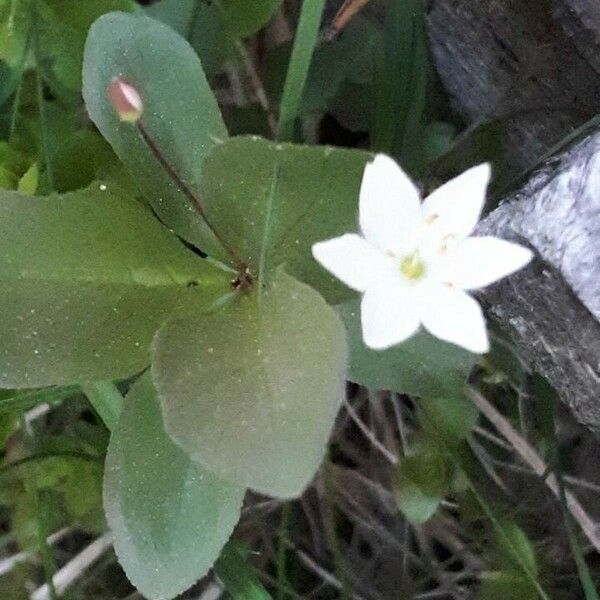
[551, 309]
[533, 64]
[536, 66]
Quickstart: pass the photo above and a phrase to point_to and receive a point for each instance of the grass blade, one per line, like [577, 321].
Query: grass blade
[106, 400]
[24, 400]
[302, 52]
[237, 576]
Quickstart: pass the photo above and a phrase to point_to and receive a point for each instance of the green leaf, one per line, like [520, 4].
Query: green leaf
[515, 550]
[350, 57]
[214, 28]
[421, 480]
[180, 113]
[272, 202]
[515, 558]
[202, 25]
[63, 28]
[401, 79]
[169, 517]
[243, 18]
[81, 157]
[421, 366]
[29, 182]
[14, 27]
[252, 392]
[85, 281]
[20, 401]
[239, 578]
[500, 586]
[14, 22]
[450, 417]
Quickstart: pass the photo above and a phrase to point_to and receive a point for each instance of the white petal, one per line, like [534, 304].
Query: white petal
[453, 316]
[479, 261]
[353, 260]
[455, 207]
[389, 314]
[390, 206]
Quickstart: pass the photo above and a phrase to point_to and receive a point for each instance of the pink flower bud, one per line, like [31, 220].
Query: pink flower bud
[125, 99]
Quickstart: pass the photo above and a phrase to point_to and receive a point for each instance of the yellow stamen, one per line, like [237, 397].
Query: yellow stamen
[412, 267]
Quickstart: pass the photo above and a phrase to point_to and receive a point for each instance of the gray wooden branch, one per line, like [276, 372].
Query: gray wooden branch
[534, 64]
[551, 309]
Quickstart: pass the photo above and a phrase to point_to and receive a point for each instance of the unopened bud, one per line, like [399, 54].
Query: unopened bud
[126, 100]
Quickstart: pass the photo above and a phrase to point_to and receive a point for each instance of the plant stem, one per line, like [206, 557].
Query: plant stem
[346, 13]
[257, 86]
[587, 583]
[40, 530]
[192, 198]
[531, 458]
[282, 580]
[302, 52]
[40, 98]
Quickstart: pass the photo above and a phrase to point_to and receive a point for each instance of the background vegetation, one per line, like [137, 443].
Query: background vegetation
[427, 491]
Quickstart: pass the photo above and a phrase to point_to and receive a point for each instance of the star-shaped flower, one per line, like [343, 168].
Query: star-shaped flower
[415, 262]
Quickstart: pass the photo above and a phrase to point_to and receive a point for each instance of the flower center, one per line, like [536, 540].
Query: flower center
[412, 267]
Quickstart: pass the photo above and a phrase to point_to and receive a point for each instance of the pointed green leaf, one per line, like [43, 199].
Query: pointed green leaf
[448, 419]
[85, 281]
[180, 112]
[252, 392]
[515, 551]
[274, 201]
[169, 517]
[497, 585]
[420, 482]
[239, 578]
[421, 366]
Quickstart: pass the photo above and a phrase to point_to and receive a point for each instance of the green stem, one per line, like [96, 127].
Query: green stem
[302, 52]
[589, 589]
[462, 466]
[106, 399]
[282, 580]
[330, 529]
[191, 196]
[41, 529]
[40, 99]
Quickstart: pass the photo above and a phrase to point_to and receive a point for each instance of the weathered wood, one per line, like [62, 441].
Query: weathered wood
[551, 309]
[532, 63]
[536, 65]
[580, 21]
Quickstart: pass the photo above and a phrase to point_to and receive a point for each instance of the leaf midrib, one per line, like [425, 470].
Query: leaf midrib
[158, 283]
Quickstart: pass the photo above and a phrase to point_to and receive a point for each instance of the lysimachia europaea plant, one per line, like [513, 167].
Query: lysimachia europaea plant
[208, 288]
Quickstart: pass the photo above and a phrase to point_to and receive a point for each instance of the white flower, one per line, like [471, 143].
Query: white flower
[415, 261]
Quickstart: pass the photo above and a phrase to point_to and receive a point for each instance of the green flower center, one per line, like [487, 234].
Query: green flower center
[412, 267]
